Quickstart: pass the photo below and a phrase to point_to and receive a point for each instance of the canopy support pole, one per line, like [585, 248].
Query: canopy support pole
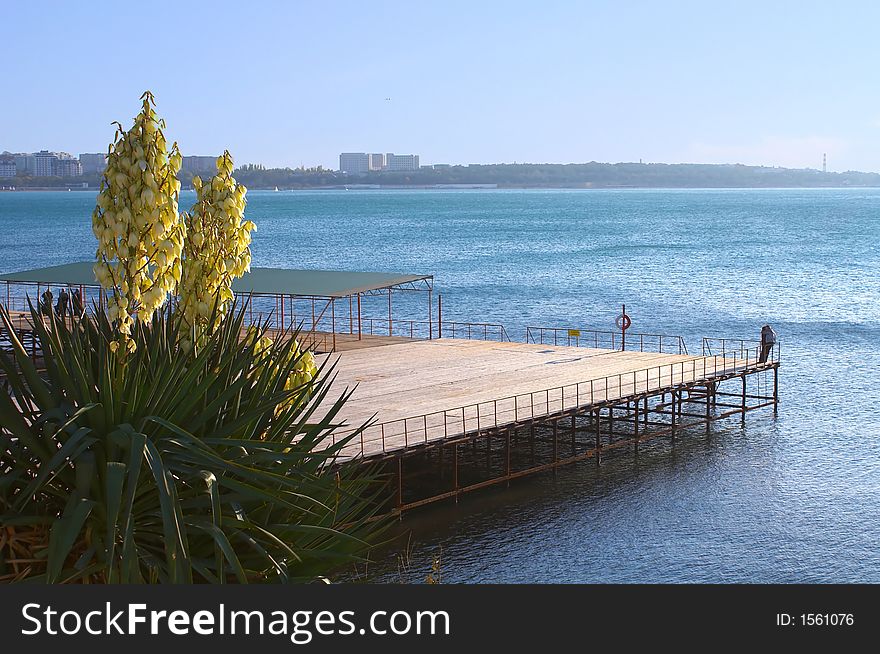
[430, 314]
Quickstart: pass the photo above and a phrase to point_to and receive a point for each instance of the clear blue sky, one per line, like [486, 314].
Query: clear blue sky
[285, 83]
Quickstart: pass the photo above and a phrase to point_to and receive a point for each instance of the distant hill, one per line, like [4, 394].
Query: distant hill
[586, 175]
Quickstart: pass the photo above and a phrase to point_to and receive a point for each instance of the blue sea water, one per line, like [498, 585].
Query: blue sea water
[788, 498]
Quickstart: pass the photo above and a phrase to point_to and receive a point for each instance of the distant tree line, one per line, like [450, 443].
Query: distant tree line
[587, 175]
[29, 181]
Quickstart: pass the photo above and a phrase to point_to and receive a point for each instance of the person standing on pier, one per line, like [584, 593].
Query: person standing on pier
[61, 307]
[768, 340]
[77, 310]
[46, 302]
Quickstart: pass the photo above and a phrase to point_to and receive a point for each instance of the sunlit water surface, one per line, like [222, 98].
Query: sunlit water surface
[790, 498]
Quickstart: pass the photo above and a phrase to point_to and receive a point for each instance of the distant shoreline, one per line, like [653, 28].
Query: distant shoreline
[593, 175]
[482, 187]
[54, 189]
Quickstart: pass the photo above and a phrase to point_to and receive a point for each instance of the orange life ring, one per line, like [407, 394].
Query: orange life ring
[623, 322]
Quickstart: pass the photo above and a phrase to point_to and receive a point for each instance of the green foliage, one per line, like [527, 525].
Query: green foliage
[165, 466]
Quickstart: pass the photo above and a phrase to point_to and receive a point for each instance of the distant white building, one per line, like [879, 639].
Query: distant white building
[93, 163]
[53, 164]
[67, 166]
[25, 164]
[44, 163]
[354, 163]
[7, 165]
[359, 163]
[401, 162]
[377, 161]
[199, 164]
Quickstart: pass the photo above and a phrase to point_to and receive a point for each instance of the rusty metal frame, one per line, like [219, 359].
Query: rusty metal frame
[635, 411]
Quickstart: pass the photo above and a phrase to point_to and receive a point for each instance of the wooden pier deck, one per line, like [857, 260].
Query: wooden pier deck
[428, 391]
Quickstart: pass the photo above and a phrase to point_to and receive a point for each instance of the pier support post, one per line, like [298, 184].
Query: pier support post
[598, 436]
[610, 424]
[332, 317]
[532, 441]
[399, 481]
[672, 403]
[573, 433]
[681, 402]
[636, 425]
[744, 398]
[390, 323]
[708, 406]
[455, 471]
[507, 455]
[555, 441]
[775, 389]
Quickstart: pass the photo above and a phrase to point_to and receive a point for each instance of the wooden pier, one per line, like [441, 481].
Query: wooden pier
[445, 416]
[454, 415]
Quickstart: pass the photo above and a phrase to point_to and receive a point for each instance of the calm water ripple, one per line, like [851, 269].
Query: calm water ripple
[789, 498]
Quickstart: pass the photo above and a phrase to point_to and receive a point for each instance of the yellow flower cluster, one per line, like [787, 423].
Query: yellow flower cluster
[140, 234]
[303, 373]
[216, 250]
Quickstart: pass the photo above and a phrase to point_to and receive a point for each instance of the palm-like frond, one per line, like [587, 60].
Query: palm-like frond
[172, 466]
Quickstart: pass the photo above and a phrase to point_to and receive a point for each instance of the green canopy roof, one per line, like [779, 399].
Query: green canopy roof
[271, 281]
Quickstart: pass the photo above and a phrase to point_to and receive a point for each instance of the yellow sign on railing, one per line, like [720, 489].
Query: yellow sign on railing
[574, 333]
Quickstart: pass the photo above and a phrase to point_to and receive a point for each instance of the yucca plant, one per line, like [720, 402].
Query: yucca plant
[159, 465]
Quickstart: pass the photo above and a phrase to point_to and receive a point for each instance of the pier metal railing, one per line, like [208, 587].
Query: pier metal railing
[319, 336]
[736, 347]
[483, 331]
[611, 340]
[417, 329]
[395, 435]
[404, 328]
[422, 329]
[22, 331]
